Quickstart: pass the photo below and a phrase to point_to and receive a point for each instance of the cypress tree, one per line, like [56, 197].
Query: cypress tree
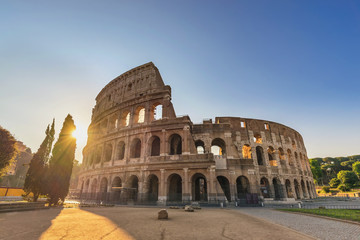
[35, 176]
[61, 163]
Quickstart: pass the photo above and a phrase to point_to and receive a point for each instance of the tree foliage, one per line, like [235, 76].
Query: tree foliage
[356, 168]
[334, 183]
[35, 176]
[61, 163]
[7, 148]
[348, 178]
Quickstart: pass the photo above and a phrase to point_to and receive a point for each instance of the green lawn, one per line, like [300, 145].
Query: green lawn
[348, 214]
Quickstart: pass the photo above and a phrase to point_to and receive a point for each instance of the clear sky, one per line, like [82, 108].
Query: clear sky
[293, 62]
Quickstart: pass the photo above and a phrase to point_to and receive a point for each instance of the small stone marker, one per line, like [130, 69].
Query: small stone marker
[163, 214]
[189, 208]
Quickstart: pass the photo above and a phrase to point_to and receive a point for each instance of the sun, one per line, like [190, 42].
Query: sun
[80, 134]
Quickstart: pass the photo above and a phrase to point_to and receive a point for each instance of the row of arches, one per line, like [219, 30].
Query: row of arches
[154, 147]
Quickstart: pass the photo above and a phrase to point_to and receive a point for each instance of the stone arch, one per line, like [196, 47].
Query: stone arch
[200, 147]
[271, 156]
[277, 188]
[265, 187]
[132, 188]
[116, 189]
[175, 141]
[242, 187]
[225, 186]
[93, 191]
[175, 188]
[154, 146]
[246, 151]
[156, 111]
[289, 191]
[199, 187]
[152, 188]
[260, 155]
[120, 150]
[125, 118]
[290, 157]
[103, 189]
[218, 147]
[139, 116]
[297, 189]
[108, 152]
[257, 138]
[135, 150]
[308, 188]
[303, 189]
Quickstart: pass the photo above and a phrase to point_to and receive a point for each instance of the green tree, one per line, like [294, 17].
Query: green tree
[334, 183]
[316, 169]
[7, 149]
[347, 178]
[35, 176]
[61, 163]
[356, 168]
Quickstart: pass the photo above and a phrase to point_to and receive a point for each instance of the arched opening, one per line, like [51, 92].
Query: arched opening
[290, 157]
[135, 151]
[265, 188]
[125, 119]
[98, 154]
[113, 121]
[108, 152]
[260, 155]
[297, 189]
[293, 144]
[175, 144]
[246, 151]
[155, 146]
[277, 188]
[103, 189]
[303, 189]
[297, 159]
[152, 188]
[175, 188]
[139, 116]
[289, 191]
[271, 155]
[103, 126]
[257, 138]
[93, 189]
[200, 147]
[199, 187]
[121, 150]
[225, 186]
[218, 147]
[308, 188]
[132, 188]
[282, 157]
[86, 189]
[156, 111]
[242, 187]
[116, 189]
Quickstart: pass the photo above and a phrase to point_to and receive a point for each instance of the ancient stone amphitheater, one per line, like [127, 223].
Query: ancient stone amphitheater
[139, 151]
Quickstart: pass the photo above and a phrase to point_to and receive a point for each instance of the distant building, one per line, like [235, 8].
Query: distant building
[139, 150]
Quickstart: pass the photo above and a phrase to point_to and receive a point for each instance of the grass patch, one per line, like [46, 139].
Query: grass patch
[347, 214]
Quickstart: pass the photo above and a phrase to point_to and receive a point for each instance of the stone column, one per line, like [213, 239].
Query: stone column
[232, 182]
[212, 179]
[163, 143]
[162, 191]
[113, 156]
[186, 196]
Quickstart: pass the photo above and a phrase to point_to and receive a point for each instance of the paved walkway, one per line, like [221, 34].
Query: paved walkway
[139, 223]
[318, 227]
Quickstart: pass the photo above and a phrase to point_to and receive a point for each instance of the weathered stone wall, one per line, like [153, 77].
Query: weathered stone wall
[168, 158]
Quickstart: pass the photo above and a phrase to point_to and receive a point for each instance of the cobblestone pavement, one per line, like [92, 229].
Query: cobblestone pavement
[317, 227]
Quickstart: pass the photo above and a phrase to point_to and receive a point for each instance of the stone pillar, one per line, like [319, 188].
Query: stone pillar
[127, 148]
[212, 179]
[113, 154]
[185, 142]
[186, 195]
[232, 182]
[162, 191]
[163, 143]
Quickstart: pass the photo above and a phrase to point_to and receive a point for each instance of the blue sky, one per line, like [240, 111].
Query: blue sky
[293, 62]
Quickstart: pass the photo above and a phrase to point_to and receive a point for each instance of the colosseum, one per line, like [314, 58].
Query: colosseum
[139, 151]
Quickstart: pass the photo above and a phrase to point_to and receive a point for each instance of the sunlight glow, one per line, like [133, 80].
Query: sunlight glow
[80, 134]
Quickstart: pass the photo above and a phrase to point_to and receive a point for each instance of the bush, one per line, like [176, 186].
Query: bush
[325, 189]
[334, 183]
[344, 188]
[348, 178]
